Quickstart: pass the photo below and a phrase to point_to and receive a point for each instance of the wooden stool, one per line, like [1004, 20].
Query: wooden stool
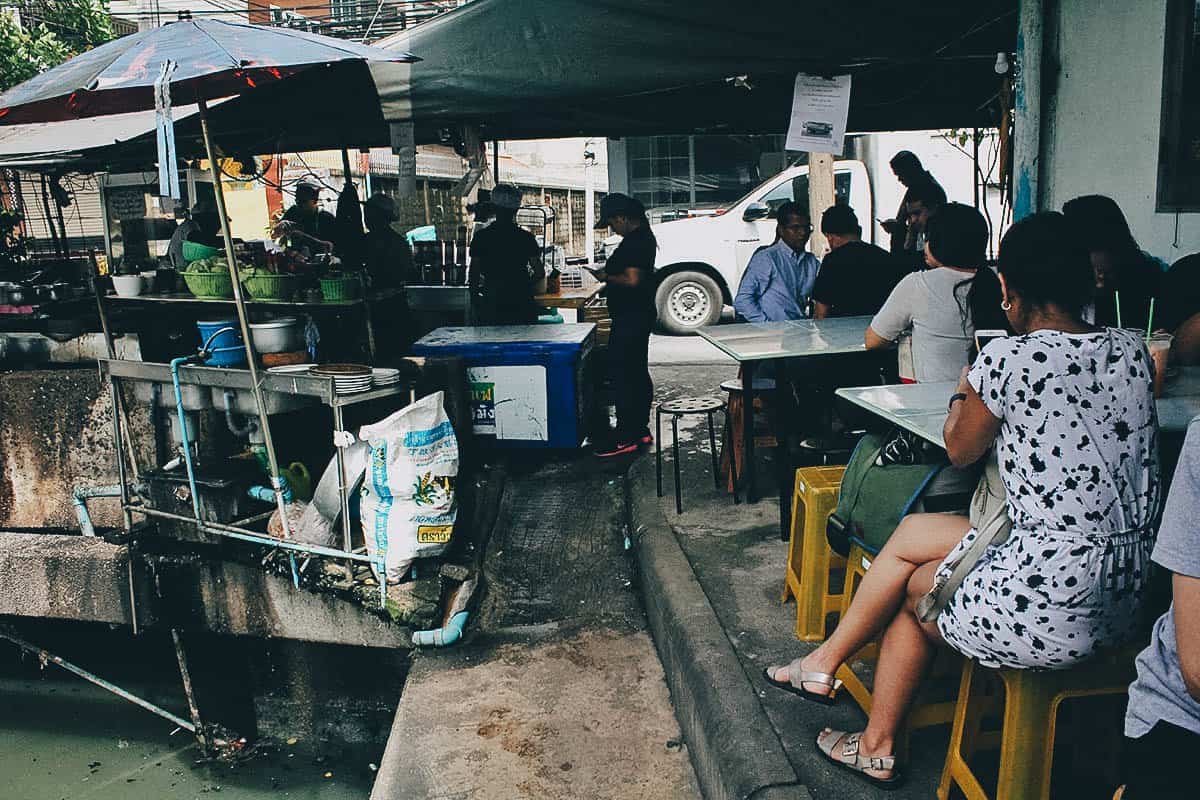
[679, 408]
[922, 714]
[809, 559]
[1031, 701]
[732, 457]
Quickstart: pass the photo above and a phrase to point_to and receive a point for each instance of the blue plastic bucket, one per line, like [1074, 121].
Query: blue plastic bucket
[228, 348]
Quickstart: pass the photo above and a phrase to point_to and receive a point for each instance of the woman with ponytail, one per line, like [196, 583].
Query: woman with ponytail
[944, 305]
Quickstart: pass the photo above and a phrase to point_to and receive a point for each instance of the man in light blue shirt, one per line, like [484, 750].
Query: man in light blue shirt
[779, 278]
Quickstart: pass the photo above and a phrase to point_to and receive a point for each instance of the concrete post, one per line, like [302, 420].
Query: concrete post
[821, 196]
[589, 212]
[1028, 107]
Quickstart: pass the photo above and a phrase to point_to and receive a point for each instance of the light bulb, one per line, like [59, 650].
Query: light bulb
[1002, 64]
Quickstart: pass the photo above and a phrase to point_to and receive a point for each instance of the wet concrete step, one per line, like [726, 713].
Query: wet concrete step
[559, 693]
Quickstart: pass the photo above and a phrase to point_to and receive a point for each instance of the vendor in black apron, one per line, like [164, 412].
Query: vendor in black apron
[505, 261]
[629, 286]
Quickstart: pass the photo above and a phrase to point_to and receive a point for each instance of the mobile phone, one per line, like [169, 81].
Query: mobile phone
[986, 335]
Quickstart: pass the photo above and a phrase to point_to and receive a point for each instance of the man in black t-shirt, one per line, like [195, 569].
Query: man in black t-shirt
[855, 277]
[505, 260]
[919, 185]
[308, 226]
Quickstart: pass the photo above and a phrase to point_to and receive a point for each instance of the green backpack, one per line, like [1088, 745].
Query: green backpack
[874, 497]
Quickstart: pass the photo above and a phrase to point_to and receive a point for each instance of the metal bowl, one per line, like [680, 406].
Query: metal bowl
[283, 335]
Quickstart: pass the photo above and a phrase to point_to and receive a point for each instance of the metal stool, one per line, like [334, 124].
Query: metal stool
[679, 408]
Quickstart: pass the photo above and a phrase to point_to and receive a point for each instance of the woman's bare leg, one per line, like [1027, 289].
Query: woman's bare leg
[904, 655]
[919, 539]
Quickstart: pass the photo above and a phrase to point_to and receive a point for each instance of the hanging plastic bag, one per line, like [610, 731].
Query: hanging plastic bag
[408, 500]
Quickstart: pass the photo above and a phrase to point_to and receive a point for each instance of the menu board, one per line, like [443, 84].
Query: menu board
[126, 202]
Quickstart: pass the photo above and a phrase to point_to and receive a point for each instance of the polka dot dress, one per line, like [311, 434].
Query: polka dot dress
[1078, 452]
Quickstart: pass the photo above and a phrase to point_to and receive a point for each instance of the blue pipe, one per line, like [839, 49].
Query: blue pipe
[267, 495]
[80, 498]
[442, 637]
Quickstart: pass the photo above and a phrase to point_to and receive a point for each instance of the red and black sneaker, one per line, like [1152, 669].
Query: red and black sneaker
[618, 449]
[647, 440]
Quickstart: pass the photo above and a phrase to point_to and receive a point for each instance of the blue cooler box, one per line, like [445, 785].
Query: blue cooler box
[525, 379]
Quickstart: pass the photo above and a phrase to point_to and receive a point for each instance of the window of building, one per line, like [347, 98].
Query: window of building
[672, 175]
[1179, 151]
[343, 10]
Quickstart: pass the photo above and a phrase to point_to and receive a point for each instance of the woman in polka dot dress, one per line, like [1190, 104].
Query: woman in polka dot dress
[1070, 409]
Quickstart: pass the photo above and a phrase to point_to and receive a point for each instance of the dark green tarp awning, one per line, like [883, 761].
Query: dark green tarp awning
[546, 68]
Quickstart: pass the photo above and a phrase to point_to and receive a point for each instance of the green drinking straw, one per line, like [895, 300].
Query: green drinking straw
[1150, 321]
[1117, 297]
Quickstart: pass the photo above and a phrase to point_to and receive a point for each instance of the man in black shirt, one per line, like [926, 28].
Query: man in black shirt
[629, 287]
[307, 225]
[855, 277]
[917, 181]
[505, 260]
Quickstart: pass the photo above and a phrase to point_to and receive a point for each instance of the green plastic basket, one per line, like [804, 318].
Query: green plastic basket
[268, 287]
[340, 288]
[209, 284]
[194, 251]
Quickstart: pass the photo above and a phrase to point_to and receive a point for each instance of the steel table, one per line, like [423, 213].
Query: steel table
[753, 342]
[921, 407]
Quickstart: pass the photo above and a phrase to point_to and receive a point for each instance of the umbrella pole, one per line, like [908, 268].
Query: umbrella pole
[243, 322]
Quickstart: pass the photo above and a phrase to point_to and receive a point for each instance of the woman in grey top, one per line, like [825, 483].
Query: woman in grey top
[944, 305]
[1070, 411]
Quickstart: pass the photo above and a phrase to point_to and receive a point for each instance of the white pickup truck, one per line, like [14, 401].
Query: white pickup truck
[701, 259]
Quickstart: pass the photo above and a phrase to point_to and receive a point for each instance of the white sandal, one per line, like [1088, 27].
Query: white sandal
[850, 759]
[797, 687]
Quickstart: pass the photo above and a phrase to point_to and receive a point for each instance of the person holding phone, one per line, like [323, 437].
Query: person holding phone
[919, 185]
[629, 286]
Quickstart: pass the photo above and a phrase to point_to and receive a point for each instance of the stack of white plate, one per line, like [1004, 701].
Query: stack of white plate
[385, 376]
[291, 369]
[347, 378]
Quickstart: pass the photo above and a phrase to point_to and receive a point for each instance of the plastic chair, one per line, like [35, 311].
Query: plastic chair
[1031, 702]
[809, 559]
[680, 408]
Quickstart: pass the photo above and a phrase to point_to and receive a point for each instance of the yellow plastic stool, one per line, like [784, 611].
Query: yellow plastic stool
[809, 558]
[922, 714]
[1031, 701]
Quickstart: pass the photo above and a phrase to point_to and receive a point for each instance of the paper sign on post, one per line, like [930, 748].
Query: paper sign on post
[820, 107]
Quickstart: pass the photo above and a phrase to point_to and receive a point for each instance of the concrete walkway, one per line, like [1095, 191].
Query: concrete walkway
[558, 692]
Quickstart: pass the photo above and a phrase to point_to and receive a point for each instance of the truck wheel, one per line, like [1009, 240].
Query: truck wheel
[687, 301]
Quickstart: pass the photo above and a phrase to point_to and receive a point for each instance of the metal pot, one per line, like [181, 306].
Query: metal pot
[283, 335]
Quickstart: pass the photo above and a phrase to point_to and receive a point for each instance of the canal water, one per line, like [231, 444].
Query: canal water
[67, 740]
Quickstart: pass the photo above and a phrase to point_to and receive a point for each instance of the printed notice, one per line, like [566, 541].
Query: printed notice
[820, 107]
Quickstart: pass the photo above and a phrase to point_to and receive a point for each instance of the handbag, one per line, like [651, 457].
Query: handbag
[989, 517]
[885, 478]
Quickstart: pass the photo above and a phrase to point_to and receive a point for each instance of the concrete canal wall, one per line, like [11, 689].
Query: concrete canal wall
[55, 434]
